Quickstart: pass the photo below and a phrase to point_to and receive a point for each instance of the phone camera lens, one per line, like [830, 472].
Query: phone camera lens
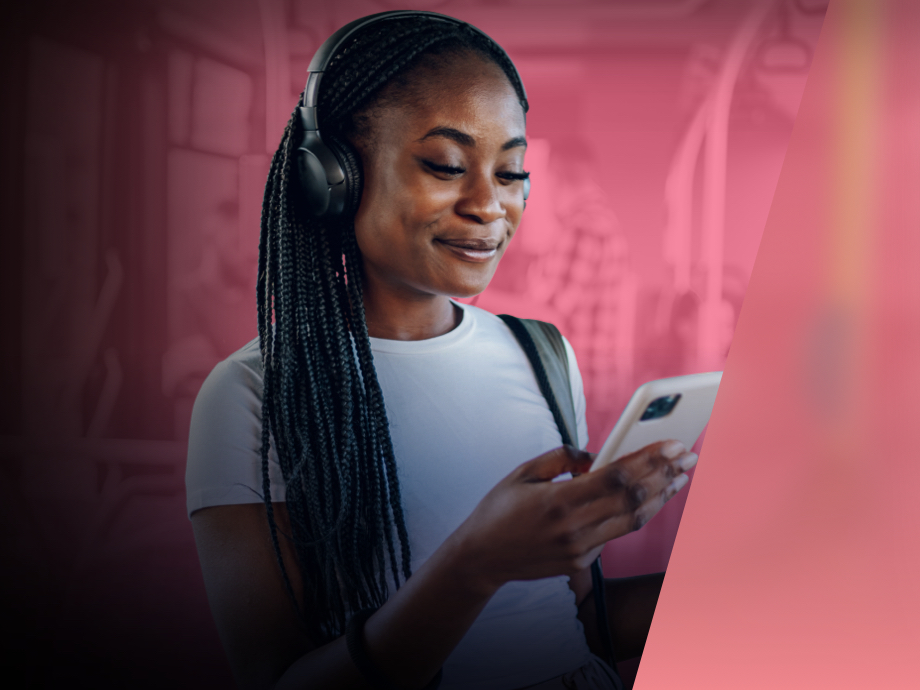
[660, 407]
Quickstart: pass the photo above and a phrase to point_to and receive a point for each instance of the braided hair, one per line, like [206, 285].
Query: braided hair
[322, 406]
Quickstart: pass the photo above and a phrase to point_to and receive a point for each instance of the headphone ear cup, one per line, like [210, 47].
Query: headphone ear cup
[350, 189]
[313, 159]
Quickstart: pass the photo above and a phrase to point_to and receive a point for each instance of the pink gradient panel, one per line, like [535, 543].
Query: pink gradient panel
[657, 133]
[796, 560]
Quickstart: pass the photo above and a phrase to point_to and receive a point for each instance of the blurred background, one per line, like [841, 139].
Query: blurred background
[136, 138]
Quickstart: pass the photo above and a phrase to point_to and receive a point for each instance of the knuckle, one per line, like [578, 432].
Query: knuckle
[669, 470]
[570, 452]
[636, 495]
[565, 537]
[668, 493]
[569, 544]
[615, 478]
[660, 463]
[556, 511]
[639, 521]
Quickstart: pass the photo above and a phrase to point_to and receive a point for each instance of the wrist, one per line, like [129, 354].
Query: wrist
[463, 563]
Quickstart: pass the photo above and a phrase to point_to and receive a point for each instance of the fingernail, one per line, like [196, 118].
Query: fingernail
[672, 449]
[679, 483]
[688, 461]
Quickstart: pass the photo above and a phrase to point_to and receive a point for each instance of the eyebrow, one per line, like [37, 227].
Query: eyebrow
[465, 139]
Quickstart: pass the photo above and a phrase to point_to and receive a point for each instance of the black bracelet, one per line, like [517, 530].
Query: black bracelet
[354, 638]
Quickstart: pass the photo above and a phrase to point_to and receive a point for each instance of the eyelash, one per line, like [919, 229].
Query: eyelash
[450, 170]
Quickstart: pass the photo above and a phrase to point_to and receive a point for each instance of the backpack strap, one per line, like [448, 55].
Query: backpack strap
[542, 343]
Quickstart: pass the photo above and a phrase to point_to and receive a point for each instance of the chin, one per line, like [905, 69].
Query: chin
[470, 286]
[465, 294]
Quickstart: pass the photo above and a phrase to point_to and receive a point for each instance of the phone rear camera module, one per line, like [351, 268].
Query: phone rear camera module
[660, 407]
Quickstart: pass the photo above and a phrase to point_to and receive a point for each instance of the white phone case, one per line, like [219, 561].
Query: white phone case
[684, 422]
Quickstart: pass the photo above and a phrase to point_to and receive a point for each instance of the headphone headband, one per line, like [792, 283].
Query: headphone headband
[331, 45]
[325, 53]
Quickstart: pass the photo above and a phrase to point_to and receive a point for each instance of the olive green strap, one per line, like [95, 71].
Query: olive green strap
[542, 343]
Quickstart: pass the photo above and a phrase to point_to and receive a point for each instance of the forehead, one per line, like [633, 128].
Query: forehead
[467, 92]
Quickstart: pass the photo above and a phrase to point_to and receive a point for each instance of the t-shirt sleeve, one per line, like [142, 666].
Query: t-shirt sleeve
[224, 464]
[578, 395]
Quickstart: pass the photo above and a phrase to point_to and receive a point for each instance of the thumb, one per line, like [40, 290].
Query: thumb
[558, 461]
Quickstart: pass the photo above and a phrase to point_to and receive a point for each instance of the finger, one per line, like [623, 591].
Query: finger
[585, 559]
[657, 469]
[593, 457]
[557, 461]
[610, 527]
[660, 476]
[591, 539]
[620, 488]
[578, 555]
[602, 521]
[651, 507]
[610, 482]
[669, 458]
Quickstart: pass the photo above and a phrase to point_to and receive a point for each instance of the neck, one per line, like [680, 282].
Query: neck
[395, 316]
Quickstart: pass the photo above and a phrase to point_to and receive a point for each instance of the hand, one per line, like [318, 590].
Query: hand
[529, 527]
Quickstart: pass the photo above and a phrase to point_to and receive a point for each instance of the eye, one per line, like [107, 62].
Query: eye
[448, 170]
[513, 176]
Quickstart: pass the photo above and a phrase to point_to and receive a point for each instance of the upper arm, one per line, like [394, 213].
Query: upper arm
[225, 440]
[254, 613]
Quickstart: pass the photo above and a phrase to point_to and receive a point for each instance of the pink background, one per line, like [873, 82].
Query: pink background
[136, 140]
[796, 563]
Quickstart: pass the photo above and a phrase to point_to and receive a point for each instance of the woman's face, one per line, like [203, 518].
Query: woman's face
[442, 190]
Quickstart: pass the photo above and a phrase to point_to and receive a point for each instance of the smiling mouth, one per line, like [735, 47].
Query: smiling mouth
[472, 250]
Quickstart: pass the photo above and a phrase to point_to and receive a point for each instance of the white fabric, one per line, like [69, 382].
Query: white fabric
[464, 410]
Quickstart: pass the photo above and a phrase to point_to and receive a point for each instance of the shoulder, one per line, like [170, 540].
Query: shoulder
[225, 436]
[235, 379]
[232, 390]
[244, 365]
[545, 331]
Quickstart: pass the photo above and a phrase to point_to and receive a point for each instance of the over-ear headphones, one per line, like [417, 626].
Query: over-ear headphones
[330, 171]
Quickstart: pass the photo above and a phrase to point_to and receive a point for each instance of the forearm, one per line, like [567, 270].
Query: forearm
[409, 638]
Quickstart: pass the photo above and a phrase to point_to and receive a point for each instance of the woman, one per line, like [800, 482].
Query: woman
[400, 487]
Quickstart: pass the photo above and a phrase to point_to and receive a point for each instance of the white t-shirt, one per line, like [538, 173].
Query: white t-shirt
[464, 410]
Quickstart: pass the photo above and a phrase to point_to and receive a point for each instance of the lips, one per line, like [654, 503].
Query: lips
[471, 249]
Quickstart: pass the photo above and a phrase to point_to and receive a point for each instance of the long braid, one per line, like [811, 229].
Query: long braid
[268, 269]
[323, 410]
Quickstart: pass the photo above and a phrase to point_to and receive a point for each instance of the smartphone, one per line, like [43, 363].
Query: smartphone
[674, 408]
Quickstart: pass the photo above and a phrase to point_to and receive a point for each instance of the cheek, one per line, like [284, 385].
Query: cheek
[400, 210]
[388, 229]
[515, 213]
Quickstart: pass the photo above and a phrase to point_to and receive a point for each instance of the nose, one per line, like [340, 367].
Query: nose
[481, 198]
